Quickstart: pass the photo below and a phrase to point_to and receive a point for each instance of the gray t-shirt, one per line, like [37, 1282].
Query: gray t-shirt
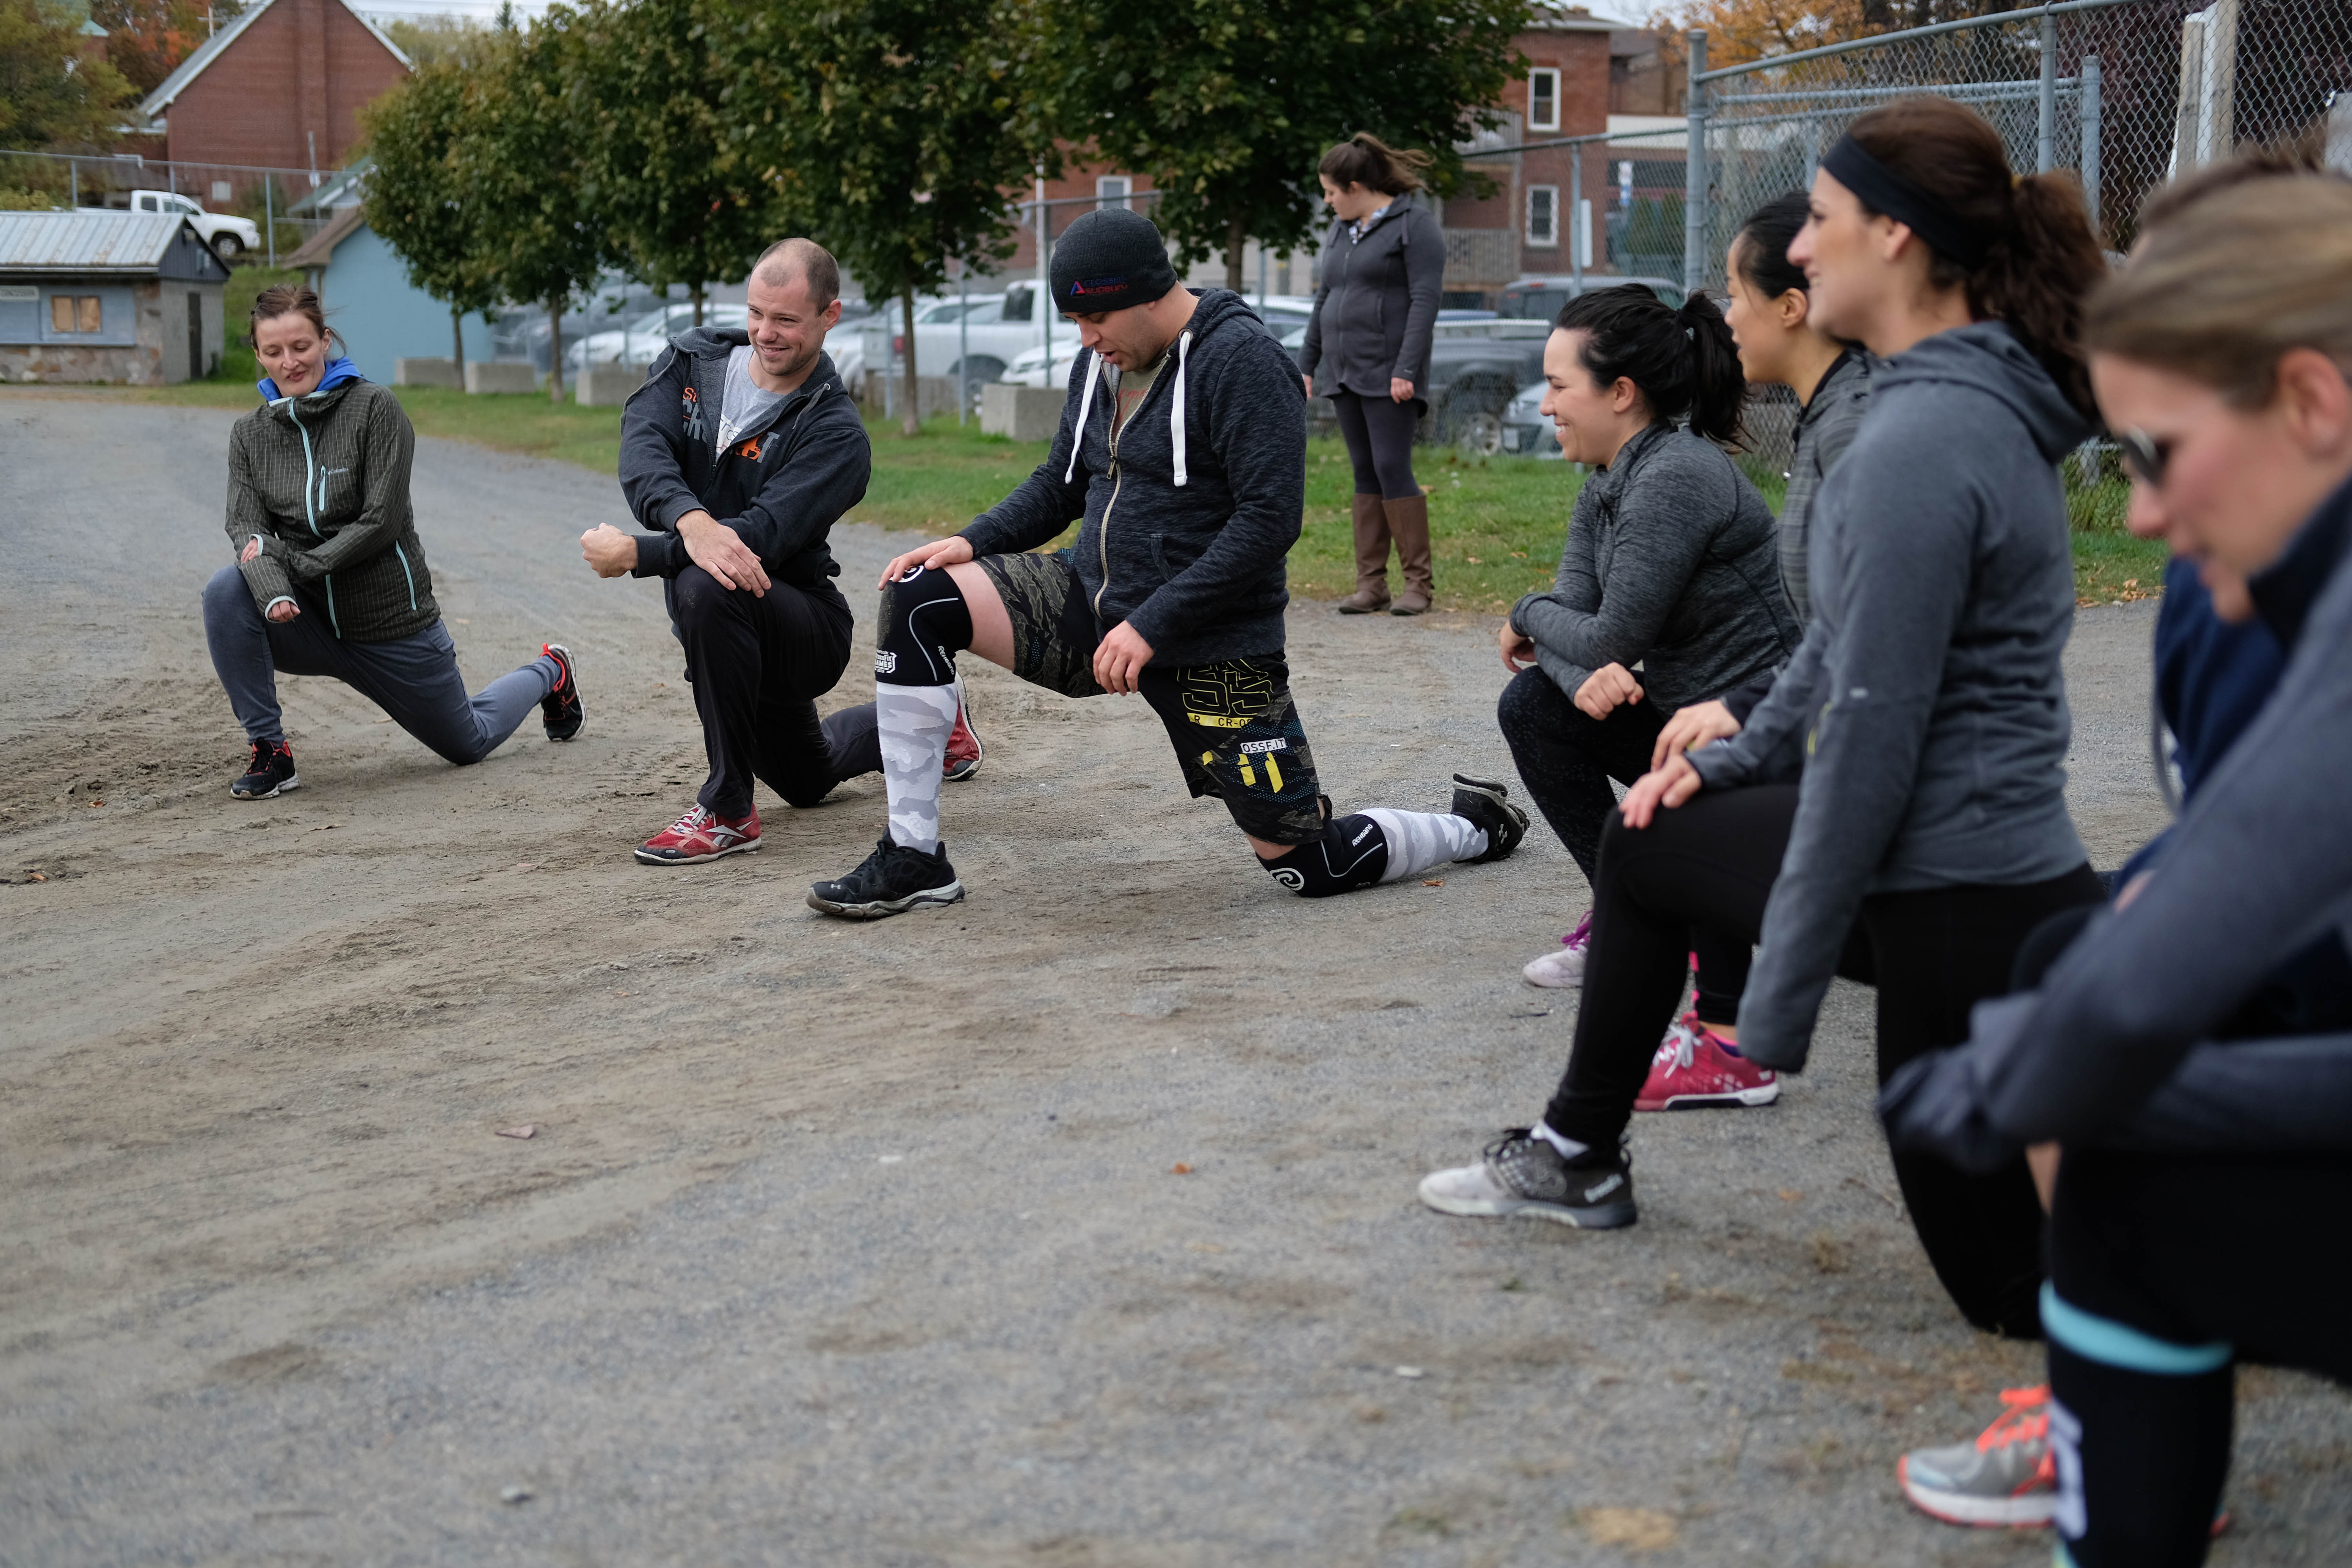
[744, 403]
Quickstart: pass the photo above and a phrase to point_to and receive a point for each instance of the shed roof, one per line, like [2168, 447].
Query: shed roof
[218, 45]
[129, 244]
[318, 250]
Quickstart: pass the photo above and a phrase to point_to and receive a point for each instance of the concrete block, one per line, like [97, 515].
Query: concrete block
[500, 376]
[426, 373]
[1022, 413]
[933, 394]
[607, 385]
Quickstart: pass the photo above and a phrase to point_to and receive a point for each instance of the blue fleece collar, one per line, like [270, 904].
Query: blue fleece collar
[339, 371]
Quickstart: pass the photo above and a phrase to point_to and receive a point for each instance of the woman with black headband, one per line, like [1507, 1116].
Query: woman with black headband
[1910, 759]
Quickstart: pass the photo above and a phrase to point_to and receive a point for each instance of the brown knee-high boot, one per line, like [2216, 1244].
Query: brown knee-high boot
[1371, 594]
[1409, 521]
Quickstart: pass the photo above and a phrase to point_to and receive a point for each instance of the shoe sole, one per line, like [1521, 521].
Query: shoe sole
[881, 909]
[291, 781]
[2032, 1512]
[580, 711]
[652, 857]
[1552, 984]
[1363, 609]
[956, 773]
[1599, 1217]
[1500, 793]
[1763, 1094]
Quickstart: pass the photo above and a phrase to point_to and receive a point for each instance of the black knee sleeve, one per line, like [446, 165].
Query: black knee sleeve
[1351, 853]
[925, 624]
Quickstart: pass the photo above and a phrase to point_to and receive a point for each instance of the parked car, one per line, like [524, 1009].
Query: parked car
[1540, 297]
[993, 328]
[637, 342]
[1285, 319]
[1525, 429]
[230, 237]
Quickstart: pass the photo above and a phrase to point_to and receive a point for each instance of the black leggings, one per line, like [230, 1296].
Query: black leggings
[2169, 1269]
[1379, 433]
[1933, 955]
[1566, 759]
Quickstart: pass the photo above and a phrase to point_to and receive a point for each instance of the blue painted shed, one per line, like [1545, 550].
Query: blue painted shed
[379, 314]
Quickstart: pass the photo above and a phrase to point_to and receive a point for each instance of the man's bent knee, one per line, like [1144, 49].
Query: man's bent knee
[1352, 853]
[925, 624]
[701, 598]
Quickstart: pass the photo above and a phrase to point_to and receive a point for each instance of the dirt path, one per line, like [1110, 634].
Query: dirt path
[851, 1244]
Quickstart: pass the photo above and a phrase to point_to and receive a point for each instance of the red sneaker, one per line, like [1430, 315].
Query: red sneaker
[699, 835]
[1696, 1065]
[964, 750]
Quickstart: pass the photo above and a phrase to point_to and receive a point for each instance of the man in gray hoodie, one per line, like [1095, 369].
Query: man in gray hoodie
[1183, 456]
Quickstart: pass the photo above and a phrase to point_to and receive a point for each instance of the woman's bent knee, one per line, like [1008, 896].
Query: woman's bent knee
[225, 593]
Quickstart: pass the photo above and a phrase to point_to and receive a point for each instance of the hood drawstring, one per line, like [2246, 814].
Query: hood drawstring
[1086, 403]
[1176, 407]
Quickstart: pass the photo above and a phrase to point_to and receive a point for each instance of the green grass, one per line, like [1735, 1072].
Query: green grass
[1495, 523]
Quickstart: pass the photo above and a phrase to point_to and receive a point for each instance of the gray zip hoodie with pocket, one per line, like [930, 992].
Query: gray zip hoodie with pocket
[1186, 523]
[1925, 710]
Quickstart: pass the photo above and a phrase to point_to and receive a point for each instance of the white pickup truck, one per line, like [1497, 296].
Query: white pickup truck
[230, 237]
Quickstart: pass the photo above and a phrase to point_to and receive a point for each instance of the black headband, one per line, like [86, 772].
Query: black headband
[1883, 190]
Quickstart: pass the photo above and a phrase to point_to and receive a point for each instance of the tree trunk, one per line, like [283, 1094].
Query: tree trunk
[912, 424]
[698, 304]
[555, 351]
[1234, 240]
[457, 343]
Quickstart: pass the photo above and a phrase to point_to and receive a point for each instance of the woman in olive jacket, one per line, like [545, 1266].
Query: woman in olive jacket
[330, 577]
[1374, 315]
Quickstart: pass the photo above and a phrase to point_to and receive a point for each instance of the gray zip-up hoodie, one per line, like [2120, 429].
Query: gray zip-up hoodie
[1184, 525]
[1927, 706]
[1669, 563]
[2259, 865]
[1376, 308]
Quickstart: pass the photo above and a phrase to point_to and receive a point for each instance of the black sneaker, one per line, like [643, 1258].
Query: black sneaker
[891, 882]
[1523, 1174]
[560, 709]
[270, 773]
[1487, 804]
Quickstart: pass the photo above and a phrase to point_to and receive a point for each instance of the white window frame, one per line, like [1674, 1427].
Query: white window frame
[1114, 191]
[1549, 238]
[1537, 121]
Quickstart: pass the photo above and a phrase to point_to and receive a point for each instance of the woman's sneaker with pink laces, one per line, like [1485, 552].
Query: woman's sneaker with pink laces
[699, 835]
[1563, 968]
[1696, 1065]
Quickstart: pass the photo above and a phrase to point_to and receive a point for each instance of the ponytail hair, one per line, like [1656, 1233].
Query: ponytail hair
[2039, 257]
[1761, 248]
[1682, 360]
[1365, 159]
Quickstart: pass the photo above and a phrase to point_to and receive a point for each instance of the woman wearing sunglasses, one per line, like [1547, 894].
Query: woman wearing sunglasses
[2202, 1212]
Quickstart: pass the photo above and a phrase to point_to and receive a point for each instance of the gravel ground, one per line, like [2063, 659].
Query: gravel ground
[1071, 1228]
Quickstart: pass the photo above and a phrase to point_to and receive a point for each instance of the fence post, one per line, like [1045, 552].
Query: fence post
[2045, 155]
[270, 214]
[1044, 306]
[963, 341]
[73, 181]
[1576, 230]
[2090, 74]
[1694, 222]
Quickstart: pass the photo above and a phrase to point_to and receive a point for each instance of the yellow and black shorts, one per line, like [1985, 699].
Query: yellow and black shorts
[1233, 725]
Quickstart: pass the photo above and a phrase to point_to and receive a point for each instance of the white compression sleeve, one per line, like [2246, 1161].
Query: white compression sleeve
[1420, 839]
[915, 723]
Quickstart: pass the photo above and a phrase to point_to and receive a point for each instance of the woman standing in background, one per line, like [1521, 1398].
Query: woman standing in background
[1375, 313]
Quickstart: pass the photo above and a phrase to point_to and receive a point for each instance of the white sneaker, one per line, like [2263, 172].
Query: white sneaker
[1562, 969]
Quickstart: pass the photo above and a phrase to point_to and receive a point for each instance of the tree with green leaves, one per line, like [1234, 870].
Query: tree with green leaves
[1228, 104]
[519, 163]
[418, 200]
[663, 164]
[890, 131]
[54, 90]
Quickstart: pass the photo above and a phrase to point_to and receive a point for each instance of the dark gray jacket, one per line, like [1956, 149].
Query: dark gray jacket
[1670, 563]
[2259, 864]
[1926, 707]
[1376, 308]
[781, 483]
[1184, 535]
[323, 481]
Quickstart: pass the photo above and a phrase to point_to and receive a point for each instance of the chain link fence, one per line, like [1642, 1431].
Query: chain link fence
[284, 206]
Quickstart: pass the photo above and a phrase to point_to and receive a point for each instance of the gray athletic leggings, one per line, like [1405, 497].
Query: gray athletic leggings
[414, 679]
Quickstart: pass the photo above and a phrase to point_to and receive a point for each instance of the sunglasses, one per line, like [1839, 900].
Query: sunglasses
[2144, 458]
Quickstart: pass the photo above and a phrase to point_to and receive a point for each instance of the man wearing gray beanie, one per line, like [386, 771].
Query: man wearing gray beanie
[1183, 456]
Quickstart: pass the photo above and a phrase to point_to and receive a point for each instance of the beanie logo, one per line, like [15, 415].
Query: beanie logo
[1097, 286]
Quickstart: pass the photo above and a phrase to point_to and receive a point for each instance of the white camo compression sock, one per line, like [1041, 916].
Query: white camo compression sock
[1569, 1147]
[915, 723]
[1420, 839]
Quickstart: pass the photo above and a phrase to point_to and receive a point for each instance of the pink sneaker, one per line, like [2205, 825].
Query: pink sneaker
[1563, 967]
[1696, 1065]
[699, 835]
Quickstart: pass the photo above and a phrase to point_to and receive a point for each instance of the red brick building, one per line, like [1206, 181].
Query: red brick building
[281, 87]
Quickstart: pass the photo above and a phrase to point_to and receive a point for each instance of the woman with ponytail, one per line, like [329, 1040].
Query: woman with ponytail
[1671, 564]
[1375, 314]
[1894, 809]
